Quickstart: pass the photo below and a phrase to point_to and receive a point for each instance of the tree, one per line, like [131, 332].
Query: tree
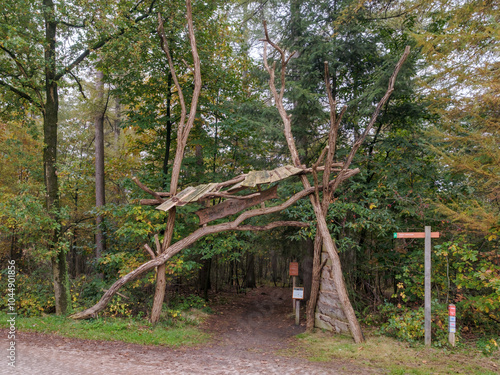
[460, 43]
[100, 196]
[33, 66]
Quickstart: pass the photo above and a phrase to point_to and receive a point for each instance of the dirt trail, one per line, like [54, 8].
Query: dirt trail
[248, 332]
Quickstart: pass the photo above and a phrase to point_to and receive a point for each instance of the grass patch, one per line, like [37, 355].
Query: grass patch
[395, 356]
[115, 329]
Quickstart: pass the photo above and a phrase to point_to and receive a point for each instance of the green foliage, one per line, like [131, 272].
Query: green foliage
[407, 324]
[462, 274]
[34, 295]
[488, 345]
[187, 309]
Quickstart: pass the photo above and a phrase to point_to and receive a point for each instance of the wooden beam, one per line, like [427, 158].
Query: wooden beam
[415, 235]
[233, 206]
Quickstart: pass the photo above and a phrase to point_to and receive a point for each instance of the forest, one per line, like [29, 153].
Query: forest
[110, 108]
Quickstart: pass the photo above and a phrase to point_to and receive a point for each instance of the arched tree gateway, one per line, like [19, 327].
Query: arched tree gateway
[320, 194]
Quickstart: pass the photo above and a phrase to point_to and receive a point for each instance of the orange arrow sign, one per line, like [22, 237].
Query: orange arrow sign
[415, 235]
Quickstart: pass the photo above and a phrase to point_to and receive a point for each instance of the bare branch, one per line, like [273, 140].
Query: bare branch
[272, 225]
[118, 293]
[148, 190]
[84, 24]
[196, 72]
[79, 84]
[278, 98]
[232, 181]
[150, 251]
[321, 157]
[150, 202]
[228, 196]
[166, 49]
[158, 246]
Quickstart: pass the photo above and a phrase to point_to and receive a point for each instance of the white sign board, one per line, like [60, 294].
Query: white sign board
[298, 293]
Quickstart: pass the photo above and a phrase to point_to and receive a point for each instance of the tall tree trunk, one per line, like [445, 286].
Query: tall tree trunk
[50, 119]
[250, 271]
[274, 267]
[168, 137]
[161, 277]
[100, 200]
[184, 127]
[117, 123]
[204, 277]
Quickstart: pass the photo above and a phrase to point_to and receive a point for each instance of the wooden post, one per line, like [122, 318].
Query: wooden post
[294, 272]
[427, 282]
[427, 269]
[297, 311]
[451, 324]
[294, 285]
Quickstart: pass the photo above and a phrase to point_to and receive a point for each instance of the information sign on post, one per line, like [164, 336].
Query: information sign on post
[298, 293]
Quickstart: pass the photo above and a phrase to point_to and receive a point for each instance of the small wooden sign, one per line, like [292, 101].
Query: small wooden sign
[298, 293]
[415, 235]
[233, 206]
[294, 269]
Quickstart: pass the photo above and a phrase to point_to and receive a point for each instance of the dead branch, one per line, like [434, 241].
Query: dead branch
[150, 202]
[148, 190]
[150, 251]
[228, 196]
[118, 293]
[157, 243]
[166, 49]
[272, 225]
[233, 181]
[183, 130]
[278, 98]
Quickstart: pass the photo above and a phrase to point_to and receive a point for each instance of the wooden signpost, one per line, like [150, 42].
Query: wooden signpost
[298, 294]
[427, 235]
[294, 272]
[294, 269]
[452, 324]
